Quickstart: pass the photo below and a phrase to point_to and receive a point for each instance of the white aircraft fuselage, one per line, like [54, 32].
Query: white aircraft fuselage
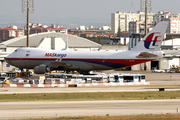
[85, 60]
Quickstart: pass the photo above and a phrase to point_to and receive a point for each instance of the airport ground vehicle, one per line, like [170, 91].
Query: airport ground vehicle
[158, 71]
[98, 78]
[132, 78]
[81, 78]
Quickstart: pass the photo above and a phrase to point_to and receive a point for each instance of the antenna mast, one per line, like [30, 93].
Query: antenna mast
[145, 6]
[27, 6]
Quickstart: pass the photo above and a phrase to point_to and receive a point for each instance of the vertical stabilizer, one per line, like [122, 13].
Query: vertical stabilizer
[152, 41]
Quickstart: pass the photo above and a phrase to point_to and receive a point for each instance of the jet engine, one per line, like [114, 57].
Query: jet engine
[41, 69]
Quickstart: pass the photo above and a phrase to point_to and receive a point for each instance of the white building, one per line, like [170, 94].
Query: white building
[122, 19]
[139, 27]
[164, 14]
[174, 25]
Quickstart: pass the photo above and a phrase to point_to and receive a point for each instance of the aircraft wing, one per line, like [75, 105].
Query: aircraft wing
[58, 63]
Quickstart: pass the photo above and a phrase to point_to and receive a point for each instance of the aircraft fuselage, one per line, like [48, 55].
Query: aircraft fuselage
[85, 60]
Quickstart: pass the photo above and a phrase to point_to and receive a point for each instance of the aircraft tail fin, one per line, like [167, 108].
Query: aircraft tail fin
[152, 41]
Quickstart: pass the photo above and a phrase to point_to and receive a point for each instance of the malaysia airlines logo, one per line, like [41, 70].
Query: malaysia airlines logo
[149, 43]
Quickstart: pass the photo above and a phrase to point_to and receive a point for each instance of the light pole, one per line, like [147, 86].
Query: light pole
[145, 5]
[28, 7]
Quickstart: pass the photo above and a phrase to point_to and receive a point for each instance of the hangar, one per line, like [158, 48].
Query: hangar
[74, 42]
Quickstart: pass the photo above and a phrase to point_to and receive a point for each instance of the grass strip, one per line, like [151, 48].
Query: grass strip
[91, 96]
[122, 117]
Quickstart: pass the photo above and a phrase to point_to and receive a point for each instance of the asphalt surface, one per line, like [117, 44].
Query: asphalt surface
[10, 110]
[84, 89]
[169, 81]
[156, 78]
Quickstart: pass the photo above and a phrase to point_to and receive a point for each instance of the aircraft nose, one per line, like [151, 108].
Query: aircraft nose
[8, 61]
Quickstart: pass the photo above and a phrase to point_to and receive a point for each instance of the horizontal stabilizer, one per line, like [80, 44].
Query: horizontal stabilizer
[146, 55]
[170, 58]
[173, 53]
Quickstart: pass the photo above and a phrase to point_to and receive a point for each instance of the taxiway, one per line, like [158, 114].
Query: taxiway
[10, 110]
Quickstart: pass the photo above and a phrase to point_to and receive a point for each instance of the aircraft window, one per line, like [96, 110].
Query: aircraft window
[15, 51]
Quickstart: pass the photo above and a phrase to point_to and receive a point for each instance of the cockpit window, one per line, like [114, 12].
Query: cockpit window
[15, 51]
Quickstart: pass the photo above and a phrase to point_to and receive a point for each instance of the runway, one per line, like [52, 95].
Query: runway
[9, 110]
[84, 89]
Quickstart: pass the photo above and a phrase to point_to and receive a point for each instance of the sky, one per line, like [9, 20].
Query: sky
[73, 13]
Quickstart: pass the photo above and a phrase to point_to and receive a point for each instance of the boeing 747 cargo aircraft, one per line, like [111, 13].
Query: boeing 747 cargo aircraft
[45, 60]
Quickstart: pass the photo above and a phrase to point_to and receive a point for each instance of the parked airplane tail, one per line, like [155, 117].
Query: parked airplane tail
[152, 41]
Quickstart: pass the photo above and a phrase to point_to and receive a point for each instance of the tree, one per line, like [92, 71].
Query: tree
[98, 40]
[119, 32]
[76, 31]
[85, 36]
[100, 32]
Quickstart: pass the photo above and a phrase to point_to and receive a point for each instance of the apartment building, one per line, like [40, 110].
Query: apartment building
[122, 19]
[174, 25]
[38, 28]
[100, 29]
[164, 15]
[139, 27]
[10, 32]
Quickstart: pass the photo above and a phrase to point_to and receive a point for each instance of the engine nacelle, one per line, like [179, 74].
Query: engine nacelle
[41, 69]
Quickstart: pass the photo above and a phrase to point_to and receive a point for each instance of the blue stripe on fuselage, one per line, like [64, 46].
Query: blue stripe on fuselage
[100, 62]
